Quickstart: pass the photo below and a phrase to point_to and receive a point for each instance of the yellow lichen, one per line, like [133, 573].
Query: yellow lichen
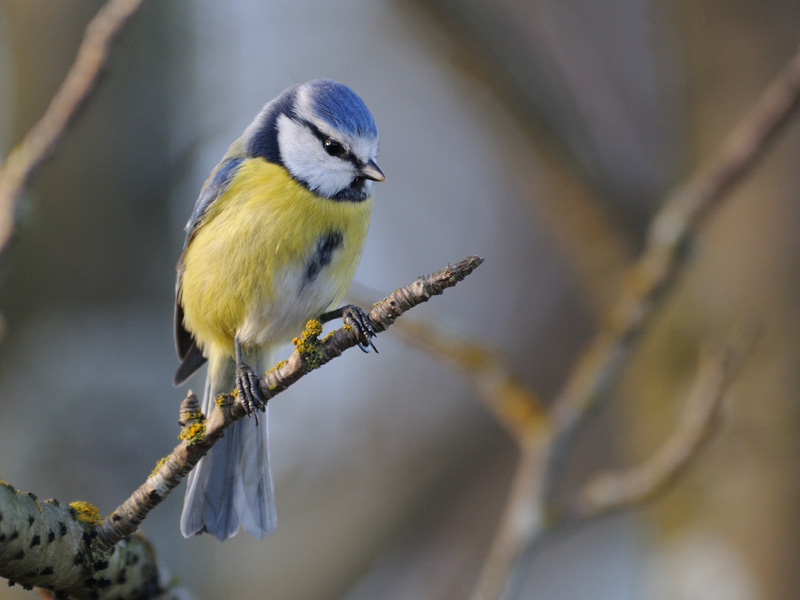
[86, 512]
[225, 399]
[308, 344]
[277, 366]
[313, 328]
[159, 464]
[193, 433]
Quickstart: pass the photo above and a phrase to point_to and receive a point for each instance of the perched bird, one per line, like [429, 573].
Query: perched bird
[273, 241]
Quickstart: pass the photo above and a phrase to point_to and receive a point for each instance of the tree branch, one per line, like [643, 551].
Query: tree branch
[682, 214]
[36, 146]
[71, 550]
[515, 407]
[523, 520]
[200, 432]
[54, 547]
[607, 492]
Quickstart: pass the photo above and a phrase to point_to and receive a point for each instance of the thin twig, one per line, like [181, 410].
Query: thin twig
[607, 492]
[515, 407]
[522, 521]
[92, 54]
[646, 281]
[518, 409]
[200, 432]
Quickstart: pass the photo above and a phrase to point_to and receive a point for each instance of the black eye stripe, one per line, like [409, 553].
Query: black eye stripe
[315, 130]
[324, 137]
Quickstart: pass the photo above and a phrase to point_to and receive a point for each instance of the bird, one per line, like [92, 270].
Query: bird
[273, 241]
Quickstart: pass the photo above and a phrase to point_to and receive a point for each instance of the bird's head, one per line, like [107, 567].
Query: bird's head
[324, 135]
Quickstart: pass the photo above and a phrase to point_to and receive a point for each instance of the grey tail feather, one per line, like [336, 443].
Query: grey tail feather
[232, 484]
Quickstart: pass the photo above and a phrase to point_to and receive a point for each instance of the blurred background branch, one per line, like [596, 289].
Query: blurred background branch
[517, 408]
[670, 231]
[23, 159]
[607, 492]
[599, 365]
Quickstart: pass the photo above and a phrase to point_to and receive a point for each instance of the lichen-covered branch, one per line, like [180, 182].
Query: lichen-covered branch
[79, 82]
[54, 547]
[200, 432]
[383, 315]
[71, 550]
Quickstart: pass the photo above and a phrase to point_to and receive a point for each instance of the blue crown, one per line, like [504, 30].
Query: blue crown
[342, 108]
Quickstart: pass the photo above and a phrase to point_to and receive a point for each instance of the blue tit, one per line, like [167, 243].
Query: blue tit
[273, 241]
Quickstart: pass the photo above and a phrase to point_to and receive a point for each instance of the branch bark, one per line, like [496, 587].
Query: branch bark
[54, 547]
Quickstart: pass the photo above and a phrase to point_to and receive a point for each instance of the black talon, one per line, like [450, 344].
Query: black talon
[357, 318]
[247, 384]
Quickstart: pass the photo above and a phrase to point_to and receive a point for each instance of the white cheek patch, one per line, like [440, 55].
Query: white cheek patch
[305, 158]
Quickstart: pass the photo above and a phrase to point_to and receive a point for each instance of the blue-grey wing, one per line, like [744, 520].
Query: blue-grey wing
[218, 182]
[190, 355]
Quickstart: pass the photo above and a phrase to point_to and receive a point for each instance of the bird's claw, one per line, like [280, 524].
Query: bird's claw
[247, 386]
[357, 318]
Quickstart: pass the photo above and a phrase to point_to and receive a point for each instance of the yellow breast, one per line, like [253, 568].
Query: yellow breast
[268, 256]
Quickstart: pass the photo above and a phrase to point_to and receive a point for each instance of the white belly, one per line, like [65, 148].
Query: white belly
[277, 320]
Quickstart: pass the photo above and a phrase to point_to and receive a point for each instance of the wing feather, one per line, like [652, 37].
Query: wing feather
[190, 355]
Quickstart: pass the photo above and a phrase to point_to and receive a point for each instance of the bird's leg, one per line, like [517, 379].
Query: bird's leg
[247, 383]
[357, 318]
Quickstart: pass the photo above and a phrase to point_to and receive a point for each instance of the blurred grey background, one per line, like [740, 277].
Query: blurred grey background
[525, 132]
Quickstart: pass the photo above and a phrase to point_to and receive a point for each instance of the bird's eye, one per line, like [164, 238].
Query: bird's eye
[334, 148]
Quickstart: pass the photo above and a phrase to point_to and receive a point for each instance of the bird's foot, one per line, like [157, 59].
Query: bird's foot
[247, 386]
[357, 318]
